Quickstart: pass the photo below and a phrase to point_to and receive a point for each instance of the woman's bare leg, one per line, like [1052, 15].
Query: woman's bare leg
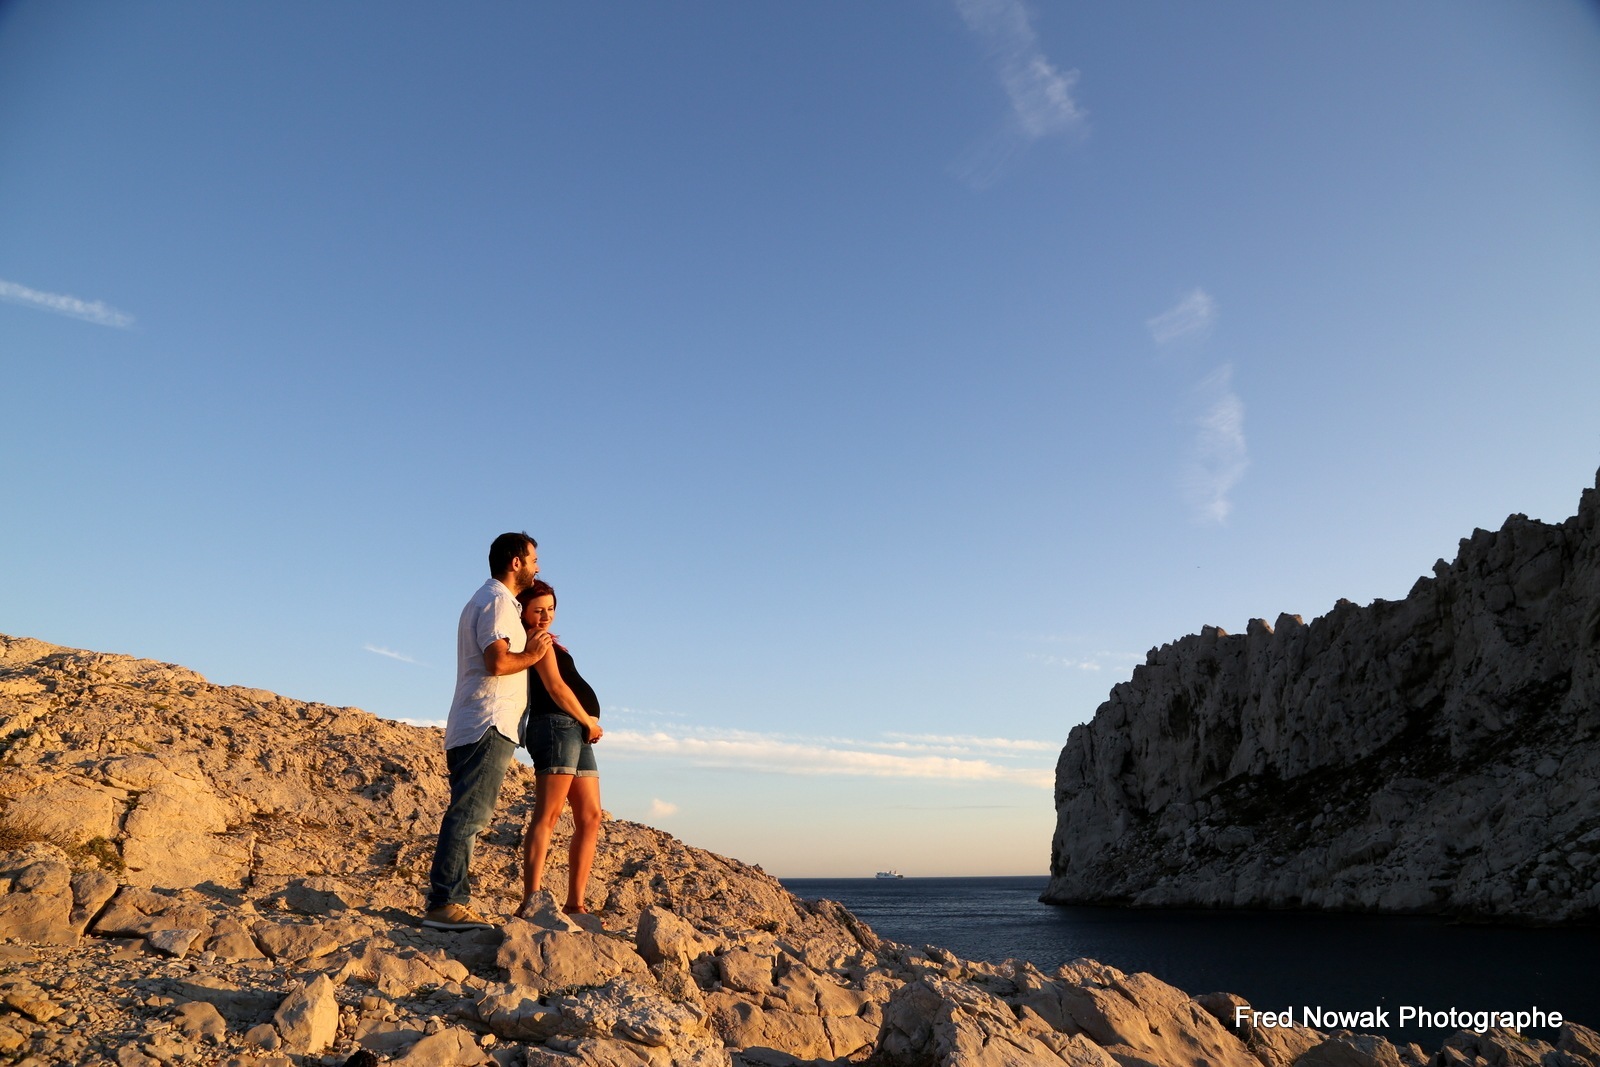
[584, 797]
[550, 794]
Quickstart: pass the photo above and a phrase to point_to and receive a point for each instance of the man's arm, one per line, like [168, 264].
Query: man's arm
[498, 659]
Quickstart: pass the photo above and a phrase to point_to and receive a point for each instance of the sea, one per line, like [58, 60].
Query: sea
[1273, 959]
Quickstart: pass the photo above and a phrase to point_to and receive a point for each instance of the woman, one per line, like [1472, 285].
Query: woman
[561, 726]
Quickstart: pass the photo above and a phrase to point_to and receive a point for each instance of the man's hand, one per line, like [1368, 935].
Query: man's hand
[499, 660]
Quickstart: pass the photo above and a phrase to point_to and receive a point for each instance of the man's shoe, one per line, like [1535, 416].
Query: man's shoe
[456, 917]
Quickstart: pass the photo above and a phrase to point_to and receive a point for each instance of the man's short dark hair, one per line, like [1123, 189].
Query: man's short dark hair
[508, 547]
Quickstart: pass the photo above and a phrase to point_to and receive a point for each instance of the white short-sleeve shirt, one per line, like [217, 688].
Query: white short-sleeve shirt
[484, 701]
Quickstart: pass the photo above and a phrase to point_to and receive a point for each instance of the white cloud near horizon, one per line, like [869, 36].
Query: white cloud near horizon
[661, 808]
[1218, 455]
[1190, 317]
[965, 742]
[939, 757]
[783, 754]
[61, 304]
[1041, 94]
[392, 654]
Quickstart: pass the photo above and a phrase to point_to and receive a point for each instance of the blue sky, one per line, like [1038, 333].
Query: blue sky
[880, 381]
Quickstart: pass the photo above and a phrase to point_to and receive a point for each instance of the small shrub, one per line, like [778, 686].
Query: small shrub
[14, 835]
[101, 851]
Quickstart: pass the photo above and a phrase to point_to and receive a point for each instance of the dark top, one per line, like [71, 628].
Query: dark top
[539, 701]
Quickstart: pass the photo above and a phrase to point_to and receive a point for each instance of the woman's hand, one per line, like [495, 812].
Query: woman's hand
[593, 726]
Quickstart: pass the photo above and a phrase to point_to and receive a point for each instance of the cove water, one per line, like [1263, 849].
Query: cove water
[1276, 960]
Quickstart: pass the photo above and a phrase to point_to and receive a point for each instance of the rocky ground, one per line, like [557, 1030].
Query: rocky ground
[1436, 754]
[200, 874]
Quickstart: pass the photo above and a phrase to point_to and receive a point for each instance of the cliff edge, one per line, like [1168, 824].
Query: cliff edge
[1435, 754]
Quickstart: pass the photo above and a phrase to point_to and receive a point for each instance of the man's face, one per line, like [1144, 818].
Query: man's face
[524, 570]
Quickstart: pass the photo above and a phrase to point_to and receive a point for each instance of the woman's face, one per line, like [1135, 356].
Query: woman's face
[539, 612]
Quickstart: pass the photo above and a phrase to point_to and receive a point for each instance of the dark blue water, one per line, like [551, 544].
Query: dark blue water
[1273, 959]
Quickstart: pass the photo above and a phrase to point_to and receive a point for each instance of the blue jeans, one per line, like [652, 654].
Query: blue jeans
[476, 771]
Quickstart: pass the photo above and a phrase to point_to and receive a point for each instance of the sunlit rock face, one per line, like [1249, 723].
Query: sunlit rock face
[1435, 754]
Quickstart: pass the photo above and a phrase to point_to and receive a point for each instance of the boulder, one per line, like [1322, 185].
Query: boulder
[308, 1018]
[453, 1047]
[662, 937]
[36, 904]
[1130, 1015]
[937, 1022]
[1274, 1046]
[546, 960]
[1346, 1049]
[200, 1020]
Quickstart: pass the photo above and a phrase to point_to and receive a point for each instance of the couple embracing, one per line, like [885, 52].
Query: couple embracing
[515, 683]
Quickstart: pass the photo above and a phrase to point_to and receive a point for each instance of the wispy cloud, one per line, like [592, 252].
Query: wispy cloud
[1093, 661]
[620, 711]
[1041, 94]
[1218, 454]
[88, 310]
[962, 743]
[660, 808]
[1190, 317]
[392, 654]
[1074, 662]
[786, 754]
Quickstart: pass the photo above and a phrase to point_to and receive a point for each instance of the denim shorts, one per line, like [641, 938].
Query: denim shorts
[558, 744]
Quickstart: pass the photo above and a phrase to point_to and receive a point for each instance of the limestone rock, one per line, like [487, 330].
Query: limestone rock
[453, 1047]
[69, 810]
[200, 1019]
[173, 942]
[91, 889]
[231, 940]
[294, 942]
[37, 902]
[1274, 1046]
[1130, 1015]
[517, 1013]
[662, 937]
[953, 1024]
[746, 970]
[139, 912]
[319, 896]
[308, 1018]
[1435, 754]
[1346, 1049]
[1579, 1044]
[548, 960]
[544, 913]
[398, 971]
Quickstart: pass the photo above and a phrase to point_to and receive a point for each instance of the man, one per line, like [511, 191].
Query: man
[492, 659]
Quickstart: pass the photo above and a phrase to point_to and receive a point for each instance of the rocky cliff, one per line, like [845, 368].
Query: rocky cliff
[1435, 754]
[201, 874]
